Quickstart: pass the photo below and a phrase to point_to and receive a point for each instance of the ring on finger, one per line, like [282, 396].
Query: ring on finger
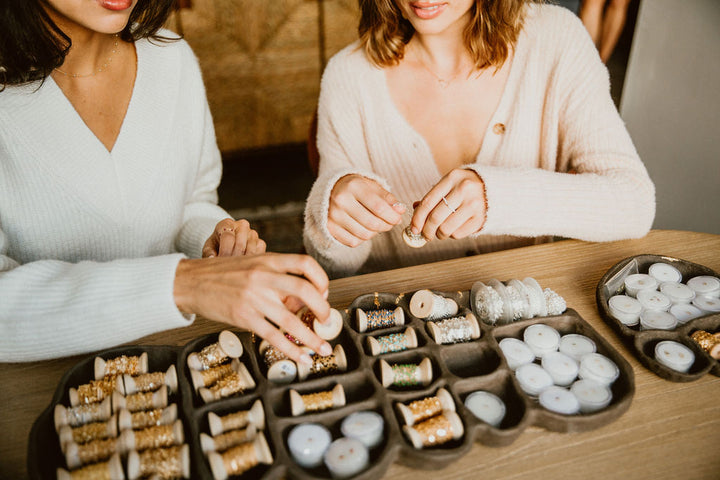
[447, 204]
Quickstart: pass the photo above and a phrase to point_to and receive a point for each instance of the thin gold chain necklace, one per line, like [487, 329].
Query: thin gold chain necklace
[100, 69]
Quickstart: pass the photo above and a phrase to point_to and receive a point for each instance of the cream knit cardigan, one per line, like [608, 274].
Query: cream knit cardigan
[558, 116]
[88, 238]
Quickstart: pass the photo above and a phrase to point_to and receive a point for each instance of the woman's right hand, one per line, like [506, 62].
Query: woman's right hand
[360, 209]
[250, 292]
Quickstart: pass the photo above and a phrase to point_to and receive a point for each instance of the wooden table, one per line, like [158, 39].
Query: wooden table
[671, 431]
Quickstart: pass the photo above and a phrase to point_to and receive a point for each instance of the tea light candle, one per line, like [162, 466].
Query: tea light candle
[707, 304]
[657, 320]
[677, 292]
[559, 400]
[592, 396]
[685, 312]
[674, 355]
[653, 300]
[307, 443]
[626, 309]
[576, 346]
[487, 407]
[639, 281]
[663, 272]
[598, 368]
[542, 339]
[562, 368]
[705, 285]
[366, 426]
[346, 457]
[533, 379]
[516, 352]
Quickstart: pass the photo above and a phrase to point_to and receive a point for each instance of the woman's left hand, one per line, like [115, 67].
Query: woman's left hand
[454, 208]
[233, 238]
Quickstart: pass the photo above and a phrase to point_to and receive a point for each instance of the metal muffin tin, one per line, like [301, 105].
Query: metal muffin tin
[459, 368]
[643, 342]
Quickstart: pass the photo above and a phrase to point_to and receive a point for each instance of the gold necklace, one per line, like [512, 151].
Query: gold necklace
[100, 69]
[443, 82]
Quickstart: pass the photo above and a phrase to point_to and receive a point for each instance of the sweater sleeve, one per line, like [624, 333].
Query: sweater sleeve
[201, 212]
[342, 148]
[51, 308]
[610, 196]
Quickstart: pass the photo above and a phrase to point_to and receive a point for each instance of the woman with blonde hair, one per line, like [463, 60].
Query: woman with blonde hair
[492, 118]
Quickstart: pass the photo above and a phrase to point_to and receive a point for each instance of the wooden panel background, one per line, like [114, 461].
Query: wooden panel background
[262, 61]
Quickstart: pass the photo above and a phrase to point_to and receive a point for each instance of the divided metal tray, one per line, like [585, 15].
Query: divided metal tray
[460, 368]
[643, 342]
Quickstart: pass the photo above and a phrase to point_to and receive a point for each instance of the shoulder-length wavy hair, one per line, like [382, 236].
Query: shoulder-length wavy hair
[491, 33]
[32, 45]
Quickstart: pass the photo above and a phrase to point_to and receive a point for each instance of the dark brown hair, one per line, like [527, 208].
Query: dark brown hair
[32, 45]
[489, 36]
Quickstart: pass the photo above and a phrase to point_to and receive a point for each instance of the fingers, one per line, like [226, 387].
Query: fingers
[210, 248]
[242, 236]
[360, 209]
[313, 294]
[255, 245]
[270, 333]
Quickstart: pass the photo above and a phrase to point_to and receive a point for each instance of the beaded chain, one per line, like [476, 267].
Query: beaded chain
[146, 418]
[96, 471]
[96, 390]
[240, 459]
[454, 330]
[435, 431]
[154, 437]
[426, 408]
[149, 382]
[235, 420]
[380, 319]
[83, 414]
[405, 375]
[231, 439]
[316, 402]
[323, 365]
[122, 364]
[226, 386]
[395, 342]
[140, 401]
[211, 355]
[97, 450]
[488, 305]
[213, 374]
[89, 432]
[164, 462]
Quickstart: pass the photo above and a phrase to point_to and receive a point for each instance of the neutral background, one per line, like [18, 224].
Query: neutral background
[671, 104]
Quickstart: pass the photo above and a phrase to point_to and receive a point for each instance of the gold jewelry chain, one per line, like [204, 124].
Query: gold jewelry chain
[99, 69]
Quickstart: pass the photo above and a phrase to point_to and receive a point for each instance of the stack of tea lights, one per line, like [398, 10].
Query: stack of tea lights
[215, 370]
[658, 300]
[498, 303]
[311, 444]
[563, 372]
[237, 442]
[124, 412]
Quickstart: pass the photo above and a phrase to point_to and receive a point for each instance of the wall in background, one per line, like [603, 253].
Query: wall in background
[671, 105]
[261, 62]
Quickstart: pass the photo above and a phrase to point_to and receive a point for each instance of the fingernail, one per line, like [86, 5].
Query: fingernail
[325, 294]
[399, 207]
[415, 230]
[415, 204]
[305, 358]
[325, 350]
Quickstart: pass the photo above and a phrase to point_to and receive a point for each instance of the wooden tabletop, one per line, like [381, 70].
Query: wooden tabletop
[672, 430]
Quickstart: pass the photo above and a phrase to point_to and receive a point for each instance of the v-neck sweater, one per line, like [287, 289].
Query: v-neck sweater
[555, 116]
[89, 238]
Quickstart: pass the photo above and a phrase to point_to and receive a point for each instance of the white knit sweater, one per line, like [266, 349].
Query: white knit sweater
[88, 238]
[558, 116]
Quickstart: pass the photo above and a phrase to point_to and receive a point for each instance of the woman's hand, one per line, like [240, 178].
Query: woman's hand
[360, 209]
[454, 208]
[251, 292]
[233, 238]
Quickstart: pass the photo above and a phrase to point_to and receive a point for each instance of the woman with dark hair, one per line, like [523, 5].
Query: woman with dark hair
[476, 112]
[108, 177]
